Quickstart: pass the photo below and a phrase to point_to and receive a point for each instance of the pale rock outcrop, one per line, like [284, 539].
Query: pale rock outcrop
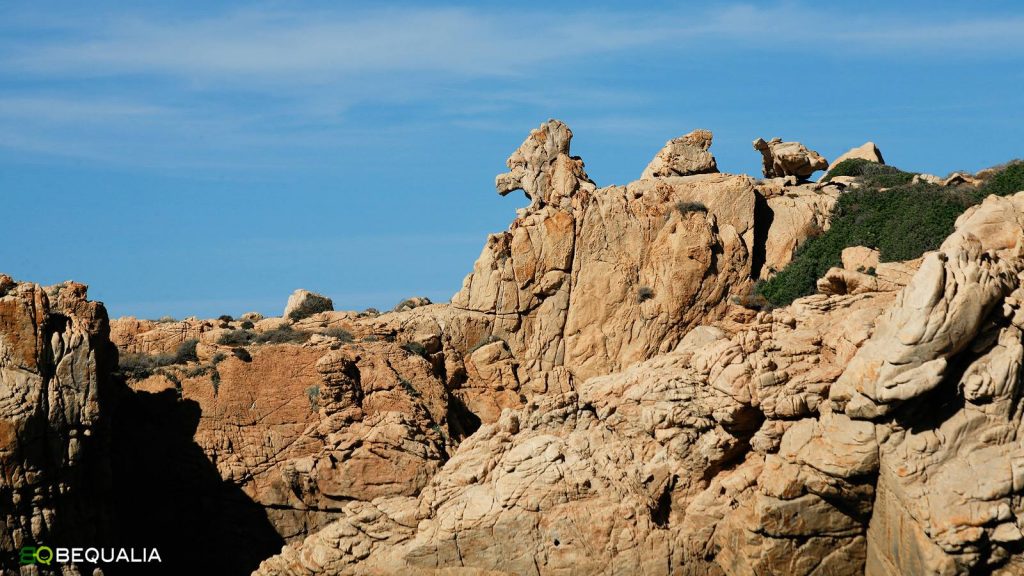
[683, 156]
[670, 265]
[954, 179]
[866, 151]
[926, 179]
[961, 179]
[794, 214]
[780, 159]
[152, 337]
[648, 470]
[542, 168]
[410, 303]
[872, 432]
[303, 303]
[859, 258]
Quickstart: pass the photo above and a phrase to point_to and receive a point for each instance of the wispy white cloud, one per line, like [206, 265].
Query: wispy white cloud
[323, 47]
[250, 80]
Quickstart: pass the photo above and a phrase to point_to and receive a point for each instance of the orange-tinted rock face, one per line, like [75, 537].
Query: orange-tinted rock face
[55, 361]
[301, 429]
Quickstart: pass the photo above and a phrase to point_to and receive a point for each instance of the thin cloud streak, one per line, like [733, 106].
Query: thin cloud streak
[266, 47]
[268, 88]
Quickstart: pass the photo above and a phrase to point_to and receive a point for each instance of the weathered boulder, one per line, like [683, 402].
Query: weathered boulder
[410, 303]
[866, 151]
[781, 159]
[303, 303]
[683, 156]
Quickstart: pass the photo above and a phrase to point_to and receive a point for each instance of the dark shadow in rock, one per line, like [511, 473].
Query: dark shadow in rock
[763, 218]
[169, 495]
[462, 422]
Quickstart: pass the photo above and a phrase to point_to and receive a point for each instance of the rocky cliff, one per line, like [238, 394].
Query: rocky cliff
[606, 394]
[55, 362]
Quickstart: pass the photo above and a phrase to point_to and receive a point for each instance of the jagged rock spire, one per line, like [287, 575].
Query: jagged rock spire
[542, 168]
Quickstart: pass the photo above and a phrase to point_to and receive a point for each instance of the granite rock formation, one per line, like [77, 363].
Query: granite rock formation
[600, 397]
[55, 365]
[683, 156]
[780, 159]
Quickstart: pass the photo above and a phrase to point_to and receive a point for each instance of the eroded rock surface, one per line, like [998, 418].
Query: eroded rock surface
[683, 156]
[872, 430]
[781, 159]
[594, 400]
[55, 362]
[866, 151]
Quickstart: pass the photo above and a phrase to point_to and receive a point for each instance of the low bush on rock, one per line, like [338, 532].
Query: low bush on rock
[685, 208]
[340, 334]
[882, 174]
[281, 335]
[644, 294]
[415, 348]
[484, 342]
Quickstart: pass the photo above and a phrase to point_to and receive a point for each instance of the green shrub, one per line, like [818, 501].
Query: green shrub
[313, 394]
[186, 352]
[484, 342]
[883, 175]
[686, 207]
[1009, 180]
[247, 325]
[644, 294]
[339, 333]
[218, 358]
[409, 388]
[242, 354]
[225, 318]
[902, 222]
[415, 348]
[236, 337]
[311, 307]
[196, 371]
[282, 335]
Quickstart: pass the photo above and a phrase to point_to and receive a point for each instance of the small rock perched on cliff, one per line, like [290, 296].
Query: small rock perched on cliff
[410, 303]
[303, 303]
[781, 159]
[683, 156]
[866, 151]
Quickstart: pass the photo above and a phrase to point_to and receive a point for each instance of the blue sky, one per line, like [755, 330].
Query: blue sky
[209, 158]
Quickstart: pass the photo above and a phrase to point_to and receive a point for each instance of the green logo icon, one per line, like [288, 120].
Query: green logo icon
[33, 555]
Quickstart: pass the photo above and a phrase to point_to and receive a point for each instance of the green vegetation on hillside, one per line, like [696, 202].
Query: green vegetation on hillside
[886, 212]
[881, 175]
